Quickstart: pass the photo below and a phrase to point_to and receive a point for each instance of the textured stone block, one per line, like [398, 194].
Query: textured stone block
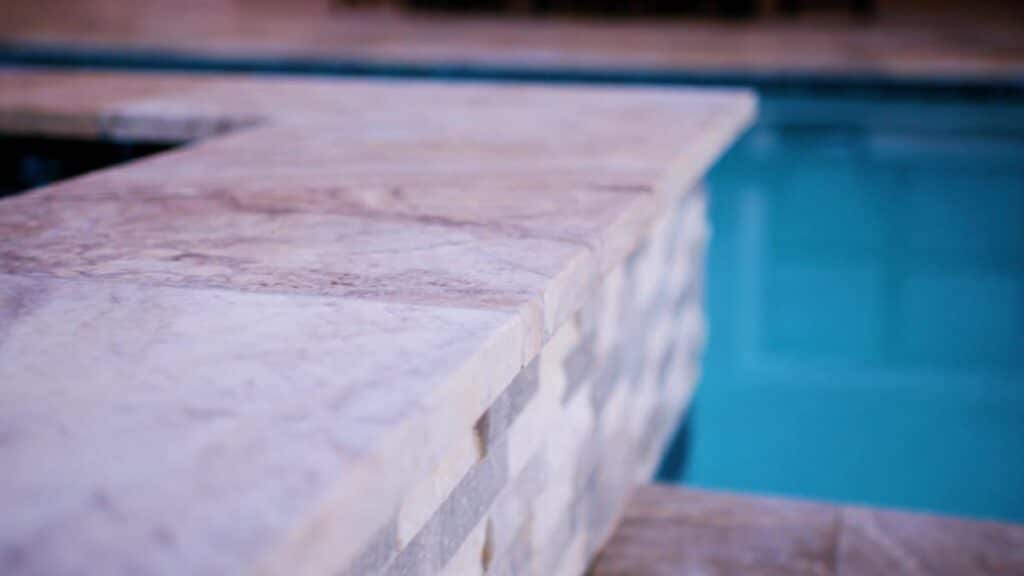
[536, 486]
[427, 495]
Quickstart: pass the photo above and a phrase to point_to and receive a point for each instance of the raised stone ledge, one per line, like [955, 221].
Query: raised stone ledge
[358, 327]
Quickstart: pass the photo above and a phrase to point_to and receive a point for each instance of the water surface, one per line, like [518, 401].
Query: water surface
[865, 294]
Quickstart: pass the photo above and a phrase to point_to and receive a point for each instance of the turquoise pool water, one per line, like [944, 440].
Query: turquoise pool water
[865, 294]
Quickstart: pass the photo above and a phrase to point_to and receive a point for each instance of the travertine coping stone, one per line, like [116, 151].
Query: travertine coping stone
[270, 351]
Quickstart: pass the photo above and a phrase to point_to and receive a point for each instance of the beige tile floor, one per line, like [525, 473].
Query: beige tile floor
[679, 531]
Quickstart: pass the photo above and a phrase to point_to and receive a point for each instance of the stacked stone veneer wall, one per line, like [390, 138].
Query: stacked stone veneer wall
[536, 487]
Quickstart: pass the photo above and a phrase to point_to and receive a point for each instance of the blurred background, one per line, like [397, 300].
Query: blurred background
[865, 276]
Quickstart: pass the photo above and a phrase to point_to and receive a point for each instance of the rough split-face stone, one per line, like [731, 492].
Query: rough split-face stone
[562, 445]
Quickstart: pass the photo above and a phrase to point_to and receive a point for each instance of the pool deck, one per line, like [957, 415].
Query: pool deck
[669, 531]
[972, 45]
[252, 351]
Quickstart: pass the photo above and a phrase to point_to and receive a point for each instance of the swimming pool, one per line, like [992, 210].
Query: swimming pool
[865, 297]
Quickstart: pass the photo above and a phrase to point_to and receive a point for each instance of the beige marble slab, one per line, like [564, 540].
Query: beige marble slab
[161, 430]
[432, 205]
[238, 355]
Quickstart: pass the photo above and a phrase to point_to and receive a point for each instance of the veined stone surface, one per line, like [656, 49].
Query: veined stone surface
[355, 328]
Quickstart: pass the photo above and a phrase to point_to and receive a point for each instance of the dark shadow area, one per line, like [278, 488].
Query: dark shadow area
[31, 162]
[673, 463]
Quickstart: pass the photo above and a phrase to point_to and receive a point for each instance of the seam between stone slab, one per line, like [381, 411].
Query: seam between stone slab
[490, 429]
[584, 269]
[432, 544]
[685, 173]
